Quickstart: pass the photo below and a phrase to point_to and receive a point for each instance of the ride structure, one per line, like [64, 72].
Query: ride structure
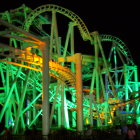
[47, 83]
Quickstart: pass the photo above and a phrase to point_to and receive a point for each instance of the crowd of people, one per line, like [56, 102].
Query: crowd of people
[128, 132]
[118, 132]
[28, 134]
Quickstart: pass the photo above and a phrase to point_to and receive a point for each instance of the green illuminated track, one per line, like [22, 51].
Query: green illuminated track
[109, 77]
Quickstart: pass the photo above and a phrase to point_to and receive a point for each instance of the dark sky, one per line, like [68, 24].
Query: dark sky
[116, 18]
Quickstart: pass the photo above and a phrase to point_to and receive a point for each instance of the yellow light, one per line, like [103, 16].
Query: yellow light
[87, 121]
[110, 121]
[111, 100]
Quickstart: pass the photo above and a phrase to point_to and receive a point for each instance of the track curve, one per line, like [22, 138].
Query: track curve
[55, 8]
[122, 46]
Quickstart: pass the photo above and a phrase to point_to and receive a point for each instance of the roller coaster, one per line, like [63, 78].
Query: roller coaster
[44, 82]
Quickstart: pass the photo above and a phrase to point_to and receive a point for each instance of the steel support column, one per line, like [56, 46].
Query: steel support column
[79, 93]
[45, 93]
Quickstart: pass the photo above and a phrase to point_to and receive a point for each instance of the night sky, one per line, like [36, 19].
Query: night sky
[115, 18]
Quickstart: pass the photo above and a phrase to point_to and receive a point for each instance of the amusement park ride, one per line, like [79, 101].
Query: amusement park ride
[44, 82]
